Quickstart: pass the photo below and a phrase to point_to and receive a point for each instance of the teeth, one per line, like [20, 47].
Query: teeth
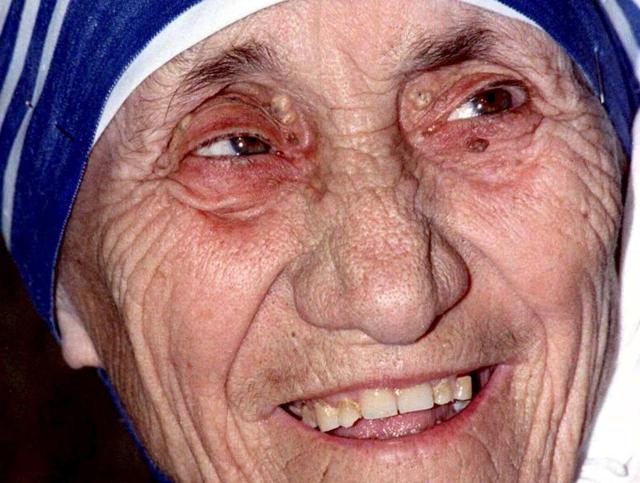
[327, 416]
[296, 409]
[309, 416]
[462, 390]
[460, 405]
[416, 398]
[443, 391]
[384, 403]
[348, 413]
[378, 404]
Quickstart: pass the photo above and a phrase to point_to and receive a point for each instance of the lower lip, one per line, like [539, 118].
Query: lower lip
[434, 436]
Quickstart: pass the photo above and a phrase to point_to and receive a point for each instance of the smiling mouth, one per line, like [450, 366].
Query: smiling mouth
[389, 412]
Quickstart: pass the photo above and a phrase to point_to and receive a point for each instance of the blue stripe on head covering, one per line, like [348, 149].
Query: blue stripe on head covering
[8, 36]
[18, 110]
[97, 42]
[632, 13]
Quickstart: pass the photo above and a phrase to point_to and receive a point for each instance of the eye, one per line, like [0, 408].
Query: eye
[243, 145]
[491, 101]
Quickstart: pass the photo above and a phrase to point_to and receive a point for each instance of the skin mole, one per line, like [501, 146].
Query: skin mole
[478, 145]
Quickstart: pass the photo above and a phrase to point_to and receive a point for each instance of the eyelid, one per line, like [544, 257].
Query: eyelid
[464, 111]
[227, 138]
[223, 118]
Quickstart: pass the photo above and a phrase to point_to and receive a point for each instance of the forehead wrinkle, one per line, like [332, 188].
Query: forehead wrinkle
[415, 50]
[253, 57]
[382, 76]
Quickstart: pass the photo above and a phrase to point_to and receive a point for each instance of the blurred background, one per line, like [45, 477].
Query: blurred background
[56, 424]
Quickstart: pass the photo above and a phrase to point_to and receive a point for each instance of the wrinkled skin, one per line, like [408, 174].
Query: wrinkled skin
[379, 244]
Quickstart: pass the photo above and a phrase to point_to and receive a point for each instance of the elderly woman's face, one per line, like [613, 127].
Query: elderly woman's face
[334, 209]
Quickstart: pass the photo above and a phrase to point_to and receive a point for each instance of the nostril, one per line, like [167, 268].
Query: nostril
[383, 271]
[392, 300]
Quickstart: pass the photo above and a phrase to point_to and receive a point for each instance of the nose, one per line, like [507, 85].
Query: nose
[382, 269]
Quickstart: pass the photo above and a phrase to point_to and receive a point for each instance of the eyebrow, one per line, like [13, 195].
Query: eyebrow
[426, 53]
[237, 62]
[462, 45]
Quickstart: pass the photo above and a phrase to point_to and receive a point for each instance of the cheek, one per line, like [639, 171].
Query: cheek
[199, 291]
[548, 231]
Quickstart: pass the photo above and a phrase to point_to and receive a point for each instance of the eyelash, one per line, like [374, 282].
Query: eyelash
[208, 149]
[518, 96]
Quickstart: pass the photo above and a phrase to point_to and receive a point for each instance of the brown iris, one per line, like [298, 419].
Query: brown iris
[492, 101]
[249, 146]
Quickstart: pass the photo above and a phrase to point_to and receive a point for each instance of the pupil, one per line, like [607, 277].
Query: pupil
[494, 101]
[248, 145]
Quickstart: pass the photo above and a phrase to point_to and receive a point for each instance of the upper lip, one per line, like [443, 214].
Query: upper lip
[356, 367]
[389, 379]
